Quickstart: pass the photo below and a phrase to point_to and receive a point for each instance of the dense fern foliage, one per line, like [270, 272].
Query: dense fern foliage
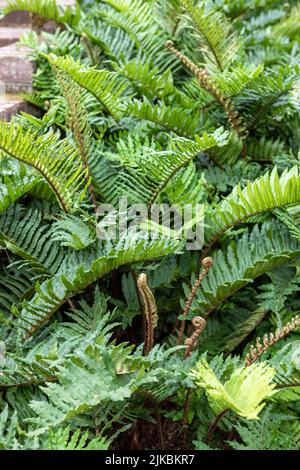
[110, 341]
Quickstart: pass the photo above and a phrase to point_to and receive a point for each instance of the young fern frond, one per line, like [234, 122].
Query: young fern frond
[57, 161]
[150, 310]
[50, 9]
[245, 392]
[206, 265]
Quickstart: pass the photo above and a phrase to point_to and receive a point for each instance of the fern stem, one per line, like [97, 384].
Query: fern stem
[207, 83]
[206, 264]
[213, 426]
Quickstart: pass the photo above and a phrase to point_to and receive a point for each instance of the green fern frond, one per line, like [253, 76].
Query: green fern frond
[267, 192]
[289, 221]
[24, 233]
[233, 81]
[105, 85]
[145, 172]
[213, 30]
[267, 434]
[146, 79]
[115, 43]
[8, 429]
[50, 9]
[288, 27]
[14, 188]
[218, 335]
[243, 261]
[268, 95]
[178, 120]
[15, 285]
[286, 363]
[58, 161]
[79, 271]
[65, 439]
[22, 373]
[72, 231]
[87, 380]
[265, 149]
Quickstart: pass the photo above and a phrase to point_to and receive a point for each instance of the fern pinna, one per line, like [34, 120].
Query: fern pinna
[112, 334]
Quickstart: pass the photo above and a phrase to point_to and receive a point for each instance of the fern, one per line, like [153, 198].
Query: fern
[63, 439]
[49, 9]
[265, 193]
[23, 234]
[87, 268]
[106, 86]
[146, 172]
[235, 393]
[93, 308]
[219, 44]
[266, 248]
[57, 161]
[174, 119]
[15, 188]
[268, 434]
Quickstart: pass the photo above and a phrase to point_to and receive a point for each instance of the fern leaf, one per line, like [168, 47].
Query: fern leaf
[12, 189]
[23, 233]
[173, 118]
[243, 261]
[263, 194]
[219, 44]
[49, 9]
[86, 380]
[243, 393]
[15, 285]
[145, 172]
[106, 86]
[79, 271]
[73, 232]
[58, 161]
[64, 439]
